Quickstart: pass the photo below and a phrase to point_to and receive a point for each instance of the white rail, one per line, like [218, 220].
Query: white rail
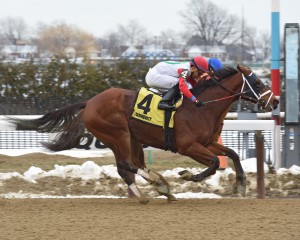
[250, 125]
[268, 115]
[229, 125]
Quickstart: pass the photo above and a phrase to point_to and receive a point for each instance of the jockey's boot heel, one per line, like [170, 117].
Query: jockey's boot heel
[166, 103]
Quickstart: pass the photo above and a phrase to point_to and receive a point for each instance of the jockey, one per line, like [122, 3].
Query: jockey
[175, 77]
[214, 64]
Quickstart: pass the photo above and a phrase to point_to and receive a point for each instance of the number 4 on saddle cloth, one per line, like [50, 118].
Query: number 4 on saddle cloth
[145, 110]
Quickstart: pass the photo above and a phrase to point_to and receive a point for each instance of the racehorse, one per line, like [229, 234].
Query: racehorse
[196, 130]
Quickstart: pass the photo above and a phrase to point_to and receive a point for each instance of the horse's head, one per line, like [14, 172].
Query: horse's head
[256, 91]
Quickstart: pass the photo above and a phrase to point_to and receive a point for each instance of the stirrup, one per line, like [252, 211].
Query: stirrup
[165, 106]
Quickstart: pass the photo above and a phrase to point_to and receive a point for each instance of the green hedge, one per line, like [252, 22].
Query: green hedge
[63, 78]
[36, 88]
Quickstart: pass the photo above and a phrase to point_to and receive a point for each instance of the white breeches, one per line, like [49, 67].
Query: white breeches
[159, 81]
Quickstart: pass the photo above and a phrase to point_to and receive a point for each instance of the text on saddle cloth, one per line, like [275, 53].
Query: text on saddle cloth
[145, 108]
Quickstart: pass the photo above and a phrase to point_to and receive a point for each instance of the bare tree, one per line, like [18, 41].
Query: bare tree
[253, 41]
[56, 38]
[13, 29]
[211, 24]
[132, 33]
[112, 43]
[170, 39]
[264, 42]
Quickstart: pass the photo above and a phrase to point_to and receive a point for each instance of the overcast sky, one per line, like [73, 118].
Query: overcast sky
[101, 16]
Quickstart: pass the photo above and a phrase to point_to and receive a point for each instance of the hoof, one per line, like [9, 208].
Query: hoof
[239, 189]
[161, 185]
[171, 198]
[242, 190]
[162, 189]
[143, 201]
[154, 176]
[186, 175]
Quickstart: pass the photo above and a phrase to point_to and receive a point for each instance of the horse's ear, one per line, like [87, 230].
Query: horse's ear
[239, 67]
[244, 69]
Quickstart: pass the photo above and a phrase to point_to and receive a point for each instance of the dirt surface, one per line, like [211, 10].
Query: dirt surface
[125, 219]
[233, 217]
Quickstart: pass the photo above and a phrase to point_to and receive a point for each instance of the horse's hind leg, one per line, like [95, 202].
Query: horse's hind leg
[121, 148]
[159, 183]
[126, 170]
[137, 154]
[123, 153]
[129, 179]
[125, 167]
[240, 184]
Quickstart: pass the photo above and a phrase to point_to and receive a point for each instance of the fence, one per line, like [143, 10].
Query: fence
[237, 134]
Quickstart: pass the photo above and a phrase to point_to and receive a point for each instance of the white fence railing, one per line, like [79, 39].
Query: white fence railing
[237, 134]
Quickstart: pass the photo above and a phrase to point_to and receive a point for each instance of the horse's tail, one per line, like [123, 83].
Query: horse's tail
[66, 121]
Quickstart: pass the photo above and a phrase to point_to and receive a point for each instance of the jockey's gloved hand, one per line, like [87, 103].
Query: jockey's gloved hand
[198, 103]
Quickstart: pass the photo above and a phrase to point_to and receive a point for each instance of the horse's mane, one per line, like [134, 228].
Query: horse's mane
[225, 72]
[218, 75]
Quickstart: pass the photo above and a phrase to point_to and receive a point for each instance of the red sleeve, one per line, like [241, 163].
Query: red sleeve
[192, 82]
[183, 83]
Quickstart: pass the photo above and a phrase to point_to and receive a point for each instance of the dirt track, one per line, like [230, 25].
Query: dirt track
[229, 218]
[127, 219]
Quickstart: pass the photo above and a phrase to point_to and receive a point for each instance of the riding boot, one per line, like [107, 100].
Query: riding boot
[167, 101]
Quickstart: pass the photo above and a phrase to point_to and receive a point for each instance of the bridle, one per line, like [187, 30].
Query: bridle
[249, 81]
[255, 81]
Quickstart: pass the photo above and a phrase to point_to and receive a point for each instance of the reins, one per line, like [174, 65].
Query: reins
[245, 81]
[226, 89]
[224, 98]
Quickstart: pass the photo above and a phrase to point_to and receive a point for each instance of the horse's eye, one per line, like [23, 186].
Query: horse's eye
[257, 83]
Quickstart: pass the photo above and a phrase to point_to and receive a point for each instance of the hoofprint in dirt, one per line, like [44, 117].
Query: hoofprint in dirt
[42, 175]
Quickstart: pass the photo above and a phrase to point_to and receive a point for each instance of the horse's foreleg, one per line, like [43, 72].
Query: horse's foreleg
[240, 185]
[202, 155]
[203, 175]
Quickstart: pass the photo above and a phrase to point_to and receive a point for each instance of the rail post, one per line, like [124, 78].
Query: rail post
[259, 144]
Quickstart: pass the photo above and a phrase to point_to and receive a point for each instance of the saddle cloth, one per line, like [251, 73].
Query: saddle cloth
[145, 108]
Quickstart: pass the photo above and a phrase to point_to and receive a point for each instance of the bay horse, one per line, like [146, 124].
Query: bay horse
[196, 130]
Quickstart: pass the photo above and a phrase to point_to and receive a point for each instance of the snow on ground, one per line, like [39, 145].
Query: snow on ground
[91, 171]
[71, 153]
